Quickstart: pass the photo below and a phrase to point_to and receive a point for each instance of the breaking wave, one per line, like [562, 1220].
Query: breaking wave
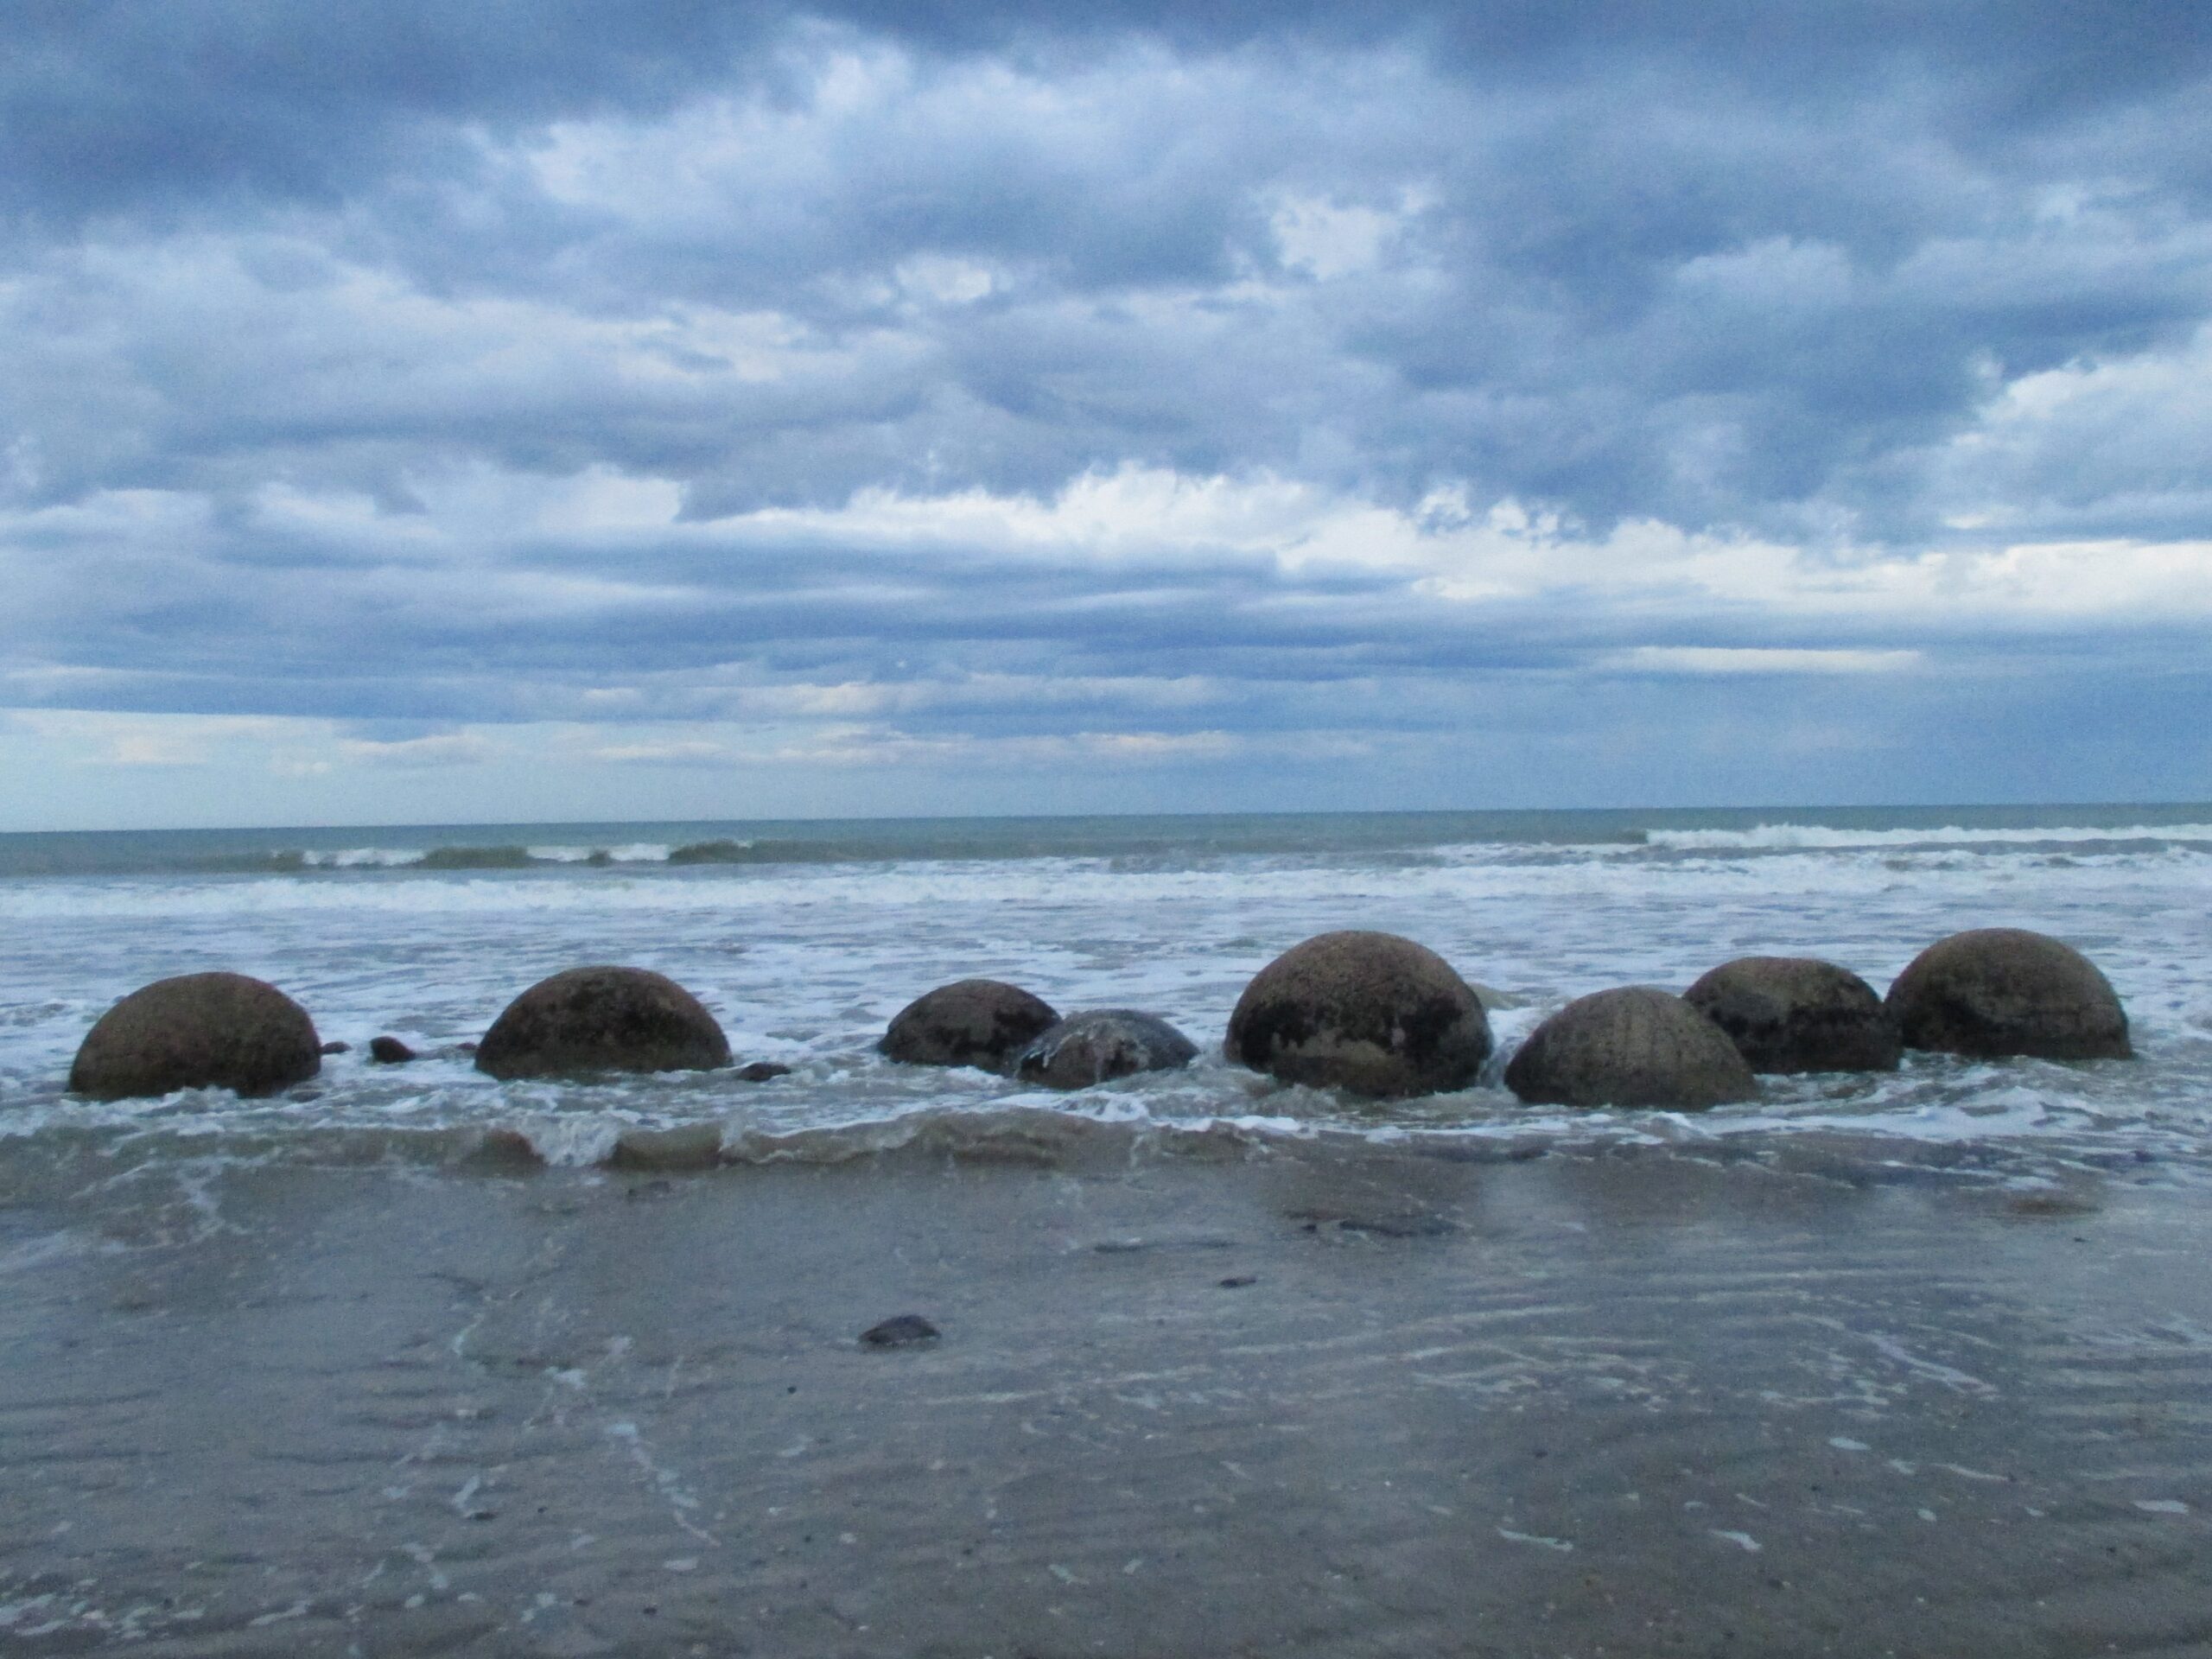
[1816, 837]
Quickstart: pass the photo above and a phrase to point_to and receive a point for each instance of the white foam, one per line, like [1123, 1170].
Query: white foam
[1799, 836]
[365, 858]
[635, 852]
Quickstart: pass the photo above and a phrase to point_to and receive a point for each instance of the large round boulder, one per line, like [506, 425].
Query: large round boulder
[198, 1031]
[2003, 990]
[1088, 1048]
[1795, 1014]
[981, 1022]
[1636, 1046]
[592, 1019]
[1370, 1013]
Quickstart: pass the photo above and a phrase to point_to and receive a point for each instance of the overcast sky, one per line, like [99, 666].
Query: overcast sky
[413, 410]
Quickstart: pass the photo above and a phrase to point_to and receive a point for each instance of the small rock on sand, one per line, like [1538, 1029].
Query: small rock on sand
[900, 1331]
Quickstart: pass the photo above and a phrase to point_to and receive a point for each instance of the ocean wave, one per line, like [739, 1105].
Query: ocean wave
[1815, 837]
[638, 852]
[1404, 898]
[2003, 1138]
[503, 856]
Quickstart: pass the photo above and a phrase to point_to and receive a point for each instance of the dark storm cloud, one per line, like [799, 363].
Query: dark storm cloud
[1857, 280]
[1739, 272]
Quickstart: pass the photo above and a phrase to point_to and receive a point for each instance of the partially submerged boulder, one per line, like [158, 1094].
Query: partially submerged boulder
[505, 1152]
[1088, 1048]
[1371, 1013]
[1996, 991]
[981, 1022]
[603, 1018]
[687, 1148]
[1797, 1013]
[1636, 1046]
[198, 1031]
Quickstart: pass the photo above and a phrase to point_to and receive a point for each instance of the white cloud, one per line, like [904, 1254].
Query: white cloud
[1723, 659]
[440, 749]
[1137, 514]
[1327, 239]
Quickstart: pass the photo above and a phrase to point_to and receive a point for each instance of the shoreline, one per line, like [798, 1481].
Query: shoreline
[1315, 1399]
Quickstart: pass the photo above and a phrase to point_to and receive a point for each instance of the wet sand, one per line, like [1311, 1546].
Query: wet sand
[1325, 1400]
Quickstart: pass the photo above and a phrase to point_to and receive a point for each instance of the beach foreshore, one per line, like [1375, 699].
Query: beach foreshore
[1339, 1398]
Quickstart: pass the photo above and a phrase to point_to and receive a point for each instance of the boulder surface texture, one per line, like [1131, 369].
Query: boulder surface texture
[1371, 1013]
[602, 1020]
[198, 1030]
[1638, 1045]
[1087, 1048]
[1996, 991]
[1794, 1013]
[983, 1022]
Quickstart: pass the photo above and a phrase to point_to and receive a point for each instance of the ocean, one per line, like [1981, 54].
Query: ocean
[805, 938]
[1917, 1363]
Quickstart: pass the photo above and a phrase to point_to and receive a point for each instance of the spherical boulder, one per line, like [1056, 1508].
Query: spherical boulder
[981, 1022]
[1996, 991]
[603, 1018]
[1636, 1046]
[1371, 1013]
[198, 1031]
[1795, 1014]
[1087, 1048]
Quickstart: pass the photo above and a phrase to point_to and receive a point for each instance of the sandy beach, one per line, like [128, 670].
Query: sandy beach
[1318, 1398]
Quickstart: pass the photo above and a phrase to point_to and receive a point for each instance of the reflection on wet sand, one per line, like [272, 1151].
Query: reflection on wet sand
[1320, 1397]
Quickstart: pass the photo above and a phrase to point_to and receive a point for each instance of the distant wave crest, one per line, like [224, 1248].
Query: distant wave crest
[1815, 837]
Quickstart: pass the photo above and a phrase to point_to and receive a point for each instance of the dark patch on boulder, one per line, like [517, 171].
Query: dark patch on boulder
[2000, 991]
[980, 1022]
[590, 1020]
[198, 1031]
[1636, 1046]
[900, 1333]
[762, 1071]
[1794, 1013]
[1371, 1013]
[1088, 1048]
[390, 1050]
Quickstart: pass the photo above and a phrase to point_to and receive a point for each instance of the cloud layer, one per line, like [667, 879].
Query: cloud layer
[917, 410]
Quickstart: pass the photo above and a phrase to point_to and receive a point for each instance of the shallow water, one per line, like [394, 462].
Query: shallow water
[1320, 1397]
